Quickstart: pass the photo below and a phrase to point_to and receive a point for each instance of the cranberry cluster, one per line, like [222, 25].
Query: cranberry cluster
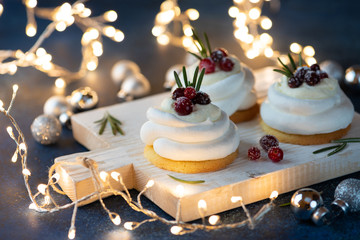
[218, 56]
[271, 145]
[186, 98]
[310, 75]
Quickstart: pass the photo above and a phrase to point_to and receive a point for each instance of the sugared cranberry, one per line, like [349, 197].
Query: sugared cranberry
[179, 92]
[314, 67]
[218, 54]
[254, 153]
[268, 141]
[323, 75]
[275, 154]
[190, 92]
[208, 64]
[294, 82]
[300, 73]
[311, 78]
[183, 106]
[201, 98]
[226, 64]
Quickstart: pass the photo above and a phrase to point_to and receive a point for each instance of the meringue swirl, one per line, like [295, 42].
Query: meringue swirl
[190, 138]
[307, 110]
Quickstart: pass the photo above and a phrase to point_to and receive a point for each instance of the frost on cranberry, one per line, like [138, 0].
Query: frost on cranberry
[190, 92]
[201, 98]
[275, 154]
[311, 78]
[179, 92]
[226, 64]
[208, 64]
[218, 54]
[254, 153]
[183, 106]
[268, 141]
[294, 82]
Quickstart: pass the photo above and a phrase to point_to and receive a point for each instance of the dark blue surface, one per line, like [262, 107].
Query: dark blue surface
[330, 26]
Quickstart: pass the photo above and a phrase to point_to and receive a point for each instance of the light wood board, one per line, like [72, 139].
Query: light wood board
[253, 180]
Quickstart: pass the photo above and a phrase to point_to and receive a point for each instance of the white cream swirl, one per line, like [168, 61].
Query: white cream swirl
[307, 110]
[190, 139]
[231, 90]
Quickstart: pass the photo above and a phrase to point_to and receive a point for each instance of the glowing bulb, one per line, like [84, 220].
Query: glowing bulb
[14, 157]
[266, 23]
[238, 1]
[274, 195]
[103, 176]
[42, 188]
[115, 176]
[165, 17]
[310, 60]
[248, 38]
[235, 199]
[187, 30]
[163, 39]
[97, 48]
[12, 68]
[309, 51]
[254, 1]
[15, 88]
[252, 53]
[157, 30]
[30, 30]
[22, 147]
[214, 219]
[26, 172]
[72, 232]
[150, 183]
[166, 5]
[60, 83]
[79, 7]
[187, 42]
[202, 205]
[266, 38]
[119, 36]
[268, 52]
[193, 14]
[85, 13]
[56, 176]
[233, 11]
[40, 52]
[47, 200]
[109, 31]
[31, 3]
[115, 218]
[1, 9]
[254, 13]
[60, 26]
[1, 106]
[176, 230]
[128, 225]
[47, 66]
[295, 48]
[179, 191]
[92, 65]
[32, 206]
[110, 16]
[10, 131]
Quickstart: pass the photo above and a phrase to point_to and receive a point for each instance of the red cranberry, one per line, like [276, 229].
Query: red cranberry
[254, 153]
[275, 154]
[311, 78]
[268, 141]
[190, 92]
[294, 82]
[314, 67]
[300, 73]
[226, 64]
[323, 75]
[208, 64]
[183, 106]
[218, 54]
[179, 92]
[201, 98]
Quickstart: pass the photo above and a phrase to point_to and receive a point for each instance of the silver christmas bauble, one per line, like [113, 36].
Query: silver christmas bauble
[56, 105]
[84, 98]
[123, 69]
[169, 76]
[347, 195]
[134, 86]
[65, 119]
[304, 202]
[333, 69]
[46, 129]
[352, 76]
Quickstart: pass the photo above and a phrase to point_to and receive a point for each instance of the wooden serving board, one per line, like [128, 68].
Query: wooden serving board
[253, 180]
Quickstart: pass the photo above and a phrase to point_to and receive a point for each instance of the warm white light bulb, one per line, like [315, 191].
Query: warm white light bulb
[15, 88]
[72, 232]
[30, 30]
[85, 13]
[115, 176]
[214, 219]
[42, 188]
[233, 11]
[150, 183]
[1, 9]
[116, 220]
[202, 205]
[103, 176]
[309, 51]
[128, 225]
[187, 30]
[295, 48]
[266, 38]
[60, 83]
[1, 106]
[235, 199]
[31, 3]
[119, 36]
[165, 17]
[10, 131]
[157, 30]
[274, 195]
[47, 200]
[176, 230]
[163, 39]
[22, 147]
[92, 65]
[193, 14]
[56, 176]
[26, 172]
[266, 23]
[60, 26]
[254, 13]
[268, 52]
[14, 157]
[179, 190]
[110, 16]
[40, 52]
[32, 206]
[109, 31]
[310, 60]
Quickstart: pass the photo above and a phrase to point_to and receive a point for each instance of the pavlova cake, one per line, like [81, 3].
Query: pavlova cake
[229, 83]
[306, 106]
[187, 133]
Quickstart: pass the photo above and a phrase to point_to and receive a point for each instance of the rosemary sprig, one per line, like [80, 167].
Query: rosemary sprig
[196, 83]
[114, 124]
[197, 88]
[286, 70]
[338, 147]
[185, 77]
[186, 181]
[292, 62]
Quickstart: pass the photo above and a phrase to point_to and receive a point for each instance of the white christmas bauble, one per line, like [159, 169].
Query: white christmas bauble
[123, 69]
[134, 86]
[333, 69]
[46, 129]
[169, 76]
[56, 105]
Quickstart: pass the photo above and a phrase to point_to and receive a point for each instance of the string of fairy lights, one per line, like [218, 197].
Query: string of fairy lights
[61, 18]
[43, 200]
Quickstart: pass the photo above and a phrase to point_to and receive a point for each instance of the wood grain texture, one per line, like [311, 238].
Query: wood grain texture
[253, 180]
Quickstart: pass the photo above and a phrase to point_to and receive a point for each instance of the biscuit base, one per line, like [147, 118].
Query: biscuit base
[245, 115]
[314, 139]
[188, 166]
